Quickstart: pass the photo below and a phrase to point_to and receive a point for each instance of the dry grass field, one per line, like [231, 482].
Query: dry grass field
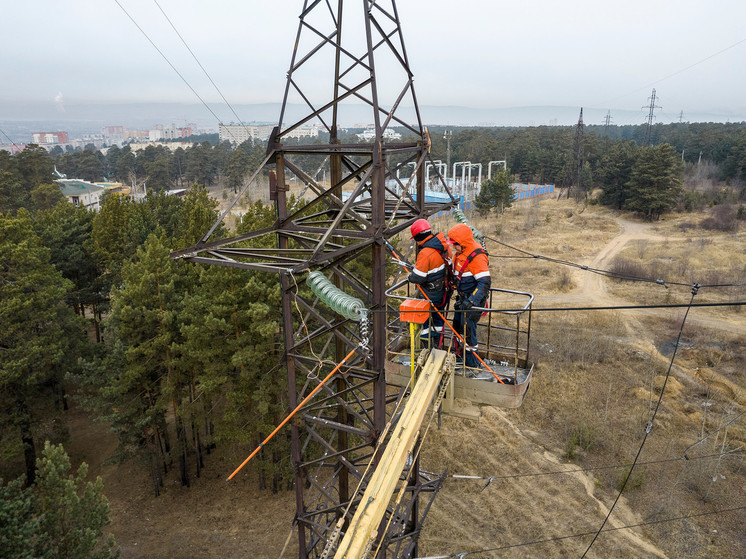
[557, 462]
[598, 378]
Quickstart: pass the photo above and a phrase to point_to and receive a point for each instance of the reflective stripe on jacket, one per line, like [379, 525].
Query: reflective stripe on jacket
[473, 278]
[430, 266]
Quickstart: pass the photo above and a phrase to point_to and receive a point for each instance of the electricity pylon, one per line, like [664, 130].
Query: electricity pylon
[651, 116]
[341, 231]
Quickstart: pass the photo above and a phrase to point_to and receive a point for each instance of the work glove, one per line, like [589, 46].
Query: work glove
[463, 305]
[474, 315]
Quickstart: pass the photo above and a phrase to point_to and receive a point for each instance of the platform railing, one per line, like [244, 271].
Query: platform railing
[504, 330]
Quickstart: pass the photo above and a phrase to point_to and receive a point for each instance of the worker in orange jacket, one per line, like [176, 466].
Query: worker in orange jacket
[471, 271]
[432, 273]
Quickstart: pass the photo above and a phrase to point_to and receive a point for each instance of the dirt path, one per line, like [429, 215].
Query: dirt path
[591, 288]
[517, 514]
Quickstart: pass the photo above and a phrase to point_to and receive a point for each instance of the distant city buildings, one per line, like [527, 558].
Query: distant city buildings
[239, 133]
[12, 148]
[109, 136]
[168, 133]
[158, 135]
[173, 146]
[114, 135]
[370, 133]
[303, 132]
[49, 138]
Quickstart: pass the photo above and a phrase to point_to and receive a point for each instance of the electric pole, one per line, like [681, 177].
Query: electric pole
[340, 243]
[578, 153]
[607, 124]
[651, 116]
[447, 137]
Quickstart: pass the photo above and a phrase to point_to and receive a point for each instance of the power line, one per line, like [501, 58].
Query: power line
[710, 434]
[9, 139]
[684, 458]
[632, 307]
[602, 272]
[648, 428]
[611, 308]
[200, 65]
[169, 63]
[582, 534]
[674, 73]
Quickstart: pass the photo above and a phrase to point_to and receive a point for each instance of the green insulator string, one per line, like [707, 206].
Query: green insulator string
[336, 299]
[459, 216]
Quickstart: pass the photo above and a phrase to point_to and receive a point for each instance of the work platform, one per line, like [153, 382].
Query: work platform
[504, 333]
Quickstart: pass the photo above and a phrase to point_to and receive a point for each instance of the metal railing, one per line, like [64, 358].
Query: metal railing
[504, 330]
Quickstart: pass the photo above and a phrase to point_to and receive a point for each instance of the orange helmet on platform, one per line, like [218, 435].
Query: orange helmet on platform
[419, 226]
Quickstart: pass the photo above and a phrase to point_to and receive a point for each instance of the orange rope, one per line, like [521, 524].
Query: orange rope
[281, 425]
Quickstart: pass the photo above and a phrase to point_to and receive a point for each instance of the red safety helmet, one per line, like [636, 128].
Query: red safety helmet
[419, 226]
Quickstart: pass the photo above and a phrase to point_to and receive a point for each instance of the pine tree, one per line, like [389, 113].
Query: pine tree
[66, 231]
[496, 192]
[655, 181]
[38, 332]
[72, 512]
[614, 173]
[19, 526]
[145, 321]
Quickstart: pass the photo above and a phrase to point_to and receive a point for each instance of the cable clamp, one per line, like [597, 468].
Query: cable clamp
[648, 427]
[661, 282]
[695, 288]
[363, 320]
[489, 481]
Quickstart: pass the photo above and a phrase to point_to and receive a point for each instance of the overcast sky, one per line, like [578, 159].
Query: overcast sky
[473, 53]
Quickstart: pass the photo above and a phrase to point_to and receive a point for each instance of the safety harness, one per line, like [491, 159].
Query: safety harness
[474, 253]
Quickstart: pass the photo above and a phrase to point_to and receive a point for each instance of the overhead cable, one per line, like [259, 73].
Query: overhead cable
[648, 427]
[582, 534]
[11, 141]
[705, 59]
[602, 272]
[492, 478]
[611, 308]
[710, 434]
[588, 268]
[169, 63]
[200, 65]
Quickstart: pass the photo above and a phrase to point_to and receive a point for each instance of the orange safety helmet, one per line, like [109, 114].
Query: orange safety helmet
[419, 226]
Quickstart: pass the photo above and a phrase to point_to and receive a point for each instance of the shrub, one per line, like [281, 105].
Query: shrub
[636, 479]
[723, 218]
[624, 267]
[583, 437]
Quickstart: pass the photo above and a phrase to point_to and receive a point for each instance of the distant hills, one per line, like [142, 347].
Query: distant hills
[19, 119]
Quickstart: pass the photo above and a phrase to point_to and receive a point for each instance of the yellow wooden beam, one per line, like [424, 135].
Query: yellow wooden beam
[382, 484]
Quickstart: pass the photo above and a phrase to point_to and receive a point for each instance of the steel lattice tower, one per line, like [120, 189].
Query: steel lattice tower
[578, 153]
[651, 116]
[341, 231]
